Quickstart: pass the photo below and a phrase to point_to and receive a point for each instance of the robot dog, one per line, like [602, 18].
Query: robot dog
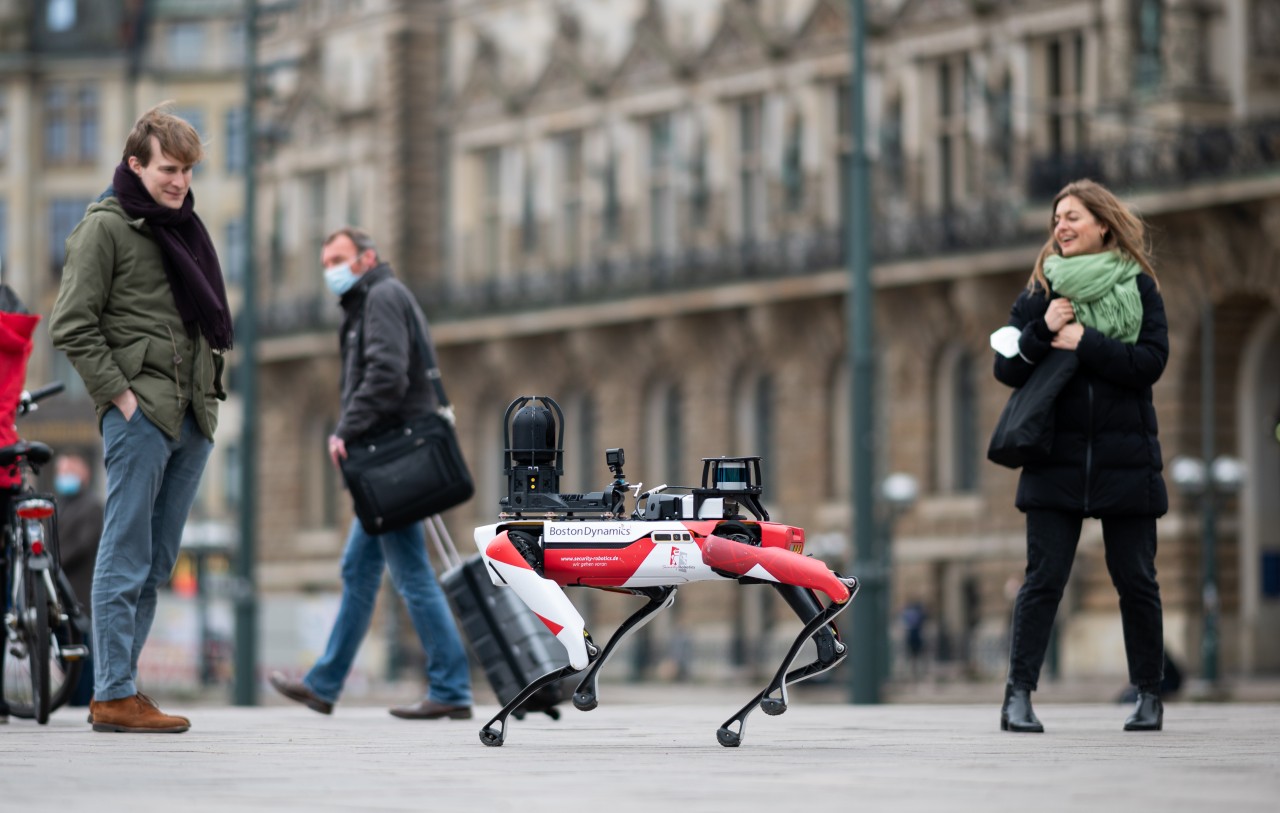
[546, 541]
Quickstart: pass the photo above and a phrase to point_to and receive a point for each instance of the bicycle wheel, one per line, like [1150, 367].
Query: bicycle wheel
[38, 645]
[62, 665]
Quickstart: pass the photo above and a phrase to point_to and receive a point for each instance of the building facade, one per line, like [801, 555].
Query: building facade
[643, 219]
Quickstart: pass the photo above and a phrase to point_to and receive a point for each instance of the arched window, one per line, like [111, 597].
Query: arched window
[1148, 33]
[955, 416]
[753, 418]
[664, 435]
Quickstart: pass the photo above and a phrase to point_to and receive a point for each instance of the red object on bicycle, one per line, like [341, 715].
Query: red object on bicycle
[15, 348]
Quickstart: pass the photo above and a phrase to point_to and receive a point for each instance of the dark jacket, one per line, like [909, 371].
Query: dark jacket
[384, 380]
[1105, 459]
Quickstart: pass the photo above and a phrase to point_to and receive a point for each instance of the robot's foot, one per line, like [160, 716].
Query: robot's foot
[585, 701]
[727, 738]
[773, 706]
[493, 737]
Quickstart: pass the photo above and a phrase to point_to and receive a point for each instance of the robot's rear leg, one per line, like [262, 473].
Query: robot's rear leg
[831, 651]
[586, 697]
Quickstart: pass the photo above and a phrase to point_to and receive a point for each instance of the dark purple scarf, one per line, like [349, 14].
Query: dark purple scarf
[190, 263]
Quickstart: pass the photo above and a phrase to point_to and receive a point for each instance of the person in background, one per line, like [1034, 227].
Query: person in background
[79, 530]
[383, 383]
[1093, 292]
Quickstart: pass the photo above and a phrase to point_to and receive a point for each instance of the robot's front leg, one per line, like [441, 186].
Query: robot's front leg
[831, 651]
[586, 697]
[553, 608]
[495, 731]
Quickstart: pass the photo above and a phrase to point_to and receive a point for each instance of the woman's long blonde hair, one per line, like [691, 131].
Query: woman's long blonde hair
[1126, 232]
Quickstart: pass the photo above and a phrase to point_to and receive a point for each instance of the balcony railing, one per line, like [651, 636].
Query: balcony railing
[1168, 159]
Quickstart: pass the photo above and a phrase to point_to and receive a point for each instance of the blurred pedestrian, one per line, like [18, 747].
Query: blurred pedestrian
[142, 314]
[79, 529]
[913, 618]
[383, 383]
[1094, 293]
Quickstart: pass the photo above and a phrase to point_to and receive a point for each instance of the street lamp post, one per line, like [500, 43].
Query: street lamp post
[869, 632]
[245, 596]
[1222, 478]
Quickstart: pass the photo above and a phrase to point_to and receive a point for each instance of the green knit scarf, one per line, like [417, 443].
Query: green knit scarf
[1103, 289]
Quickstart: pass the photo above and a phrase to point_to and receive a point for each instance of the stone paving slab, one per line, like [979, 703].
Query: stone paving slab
[639, 756]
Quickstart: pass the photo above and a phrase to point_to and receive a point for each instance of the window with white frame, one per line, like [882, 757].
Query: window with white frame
[315, 206]
[236, 150]
[753, 416]
[793, 165]
[664, 436]
[661, 173]
[4, 126]
[952, 146]
[839, 430]
[751, 180]
[1060, 83]
[71, 124]
[64, 215]
[841, 155]
[1148, 36]
[490, 210]
[185, 43]
[569, 149]
[955, 416]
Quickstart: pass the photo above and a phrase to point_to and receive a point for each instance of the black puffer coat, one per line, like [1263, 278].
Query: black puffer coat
[384, 379]
[1106, 458]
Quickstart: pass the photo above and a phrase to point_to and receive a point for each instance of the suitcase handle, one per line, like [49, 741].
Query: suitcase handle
[439, 536]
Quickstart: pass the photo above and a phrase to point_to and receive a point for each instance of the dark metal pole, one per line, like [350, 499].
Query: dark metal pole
[246, 602]
[1209, 502]
[869, 628]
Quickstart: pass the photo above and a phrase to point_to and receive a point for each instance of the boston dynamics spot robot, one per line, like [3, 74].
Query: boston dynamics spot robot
[546, 541]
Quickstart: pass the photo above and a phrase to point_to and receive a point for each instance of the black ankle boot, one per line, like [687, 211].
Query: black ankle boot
[1149, 713]
[1017, 714]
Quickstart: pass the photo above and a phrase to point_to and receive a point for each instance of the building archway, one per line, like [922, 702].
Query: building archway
[1258, 409]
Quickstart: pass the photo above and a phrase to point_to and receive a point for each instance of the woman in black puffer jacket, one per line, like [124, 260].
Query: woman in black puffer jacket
[1093, 292]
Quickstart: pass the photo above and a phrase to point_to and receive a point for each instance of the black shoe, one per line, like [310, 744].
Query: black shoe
[431, 710]
[1017, 714]
[1148, 715]
[299, 691]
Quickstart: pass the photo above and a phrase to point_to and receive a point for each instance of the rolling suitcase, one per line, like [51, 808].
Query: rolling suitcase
[511, 644]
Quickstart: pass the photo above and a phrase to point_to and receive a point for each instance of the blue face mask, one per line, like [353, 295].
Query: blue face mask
[66, 485]
[340, 278]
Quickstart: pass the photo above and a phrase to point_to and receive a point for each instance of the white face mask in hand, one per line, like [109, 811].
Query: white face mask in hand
[340, 278]
[1005, 341]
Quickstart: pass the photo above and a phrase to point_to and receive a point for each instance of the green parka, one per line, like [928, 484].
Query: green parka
[116, 320]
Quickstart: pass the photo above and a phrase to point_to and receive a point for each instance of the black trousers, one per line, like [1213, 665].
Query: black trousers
[1130, 544]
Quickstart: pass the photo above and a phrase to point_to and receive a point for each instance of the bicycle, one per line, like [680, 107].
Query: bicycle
[44, 624]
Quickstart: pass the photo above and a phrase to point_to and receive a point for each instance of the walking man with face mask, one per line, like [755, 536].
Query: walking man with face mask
[383, 383]
[142, 314]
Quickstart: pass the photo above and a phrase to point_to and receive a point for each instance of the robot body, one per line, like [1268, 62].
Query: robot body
[547, 541]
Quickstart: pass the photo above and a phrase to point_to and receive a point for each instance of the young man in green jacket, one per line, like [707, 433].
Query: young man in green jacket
[142, 314]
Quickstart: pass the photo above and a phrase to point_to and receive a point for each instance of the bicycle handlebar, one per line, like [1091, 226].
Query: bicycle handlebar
[29, 397]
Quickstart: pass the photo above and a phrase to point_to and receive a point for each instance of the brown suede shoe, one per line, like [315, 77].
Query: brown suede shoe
[431, 710]
[133, 715]
[145, 699]
[299, 691]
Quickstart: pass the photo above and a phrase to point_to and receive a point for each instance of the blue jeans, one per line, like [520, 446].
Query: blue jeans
[404, 552]
[151, 483]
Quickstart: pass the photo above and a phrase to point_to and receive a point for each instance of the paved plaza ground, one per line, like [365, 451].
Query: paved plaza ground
[654, 749]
